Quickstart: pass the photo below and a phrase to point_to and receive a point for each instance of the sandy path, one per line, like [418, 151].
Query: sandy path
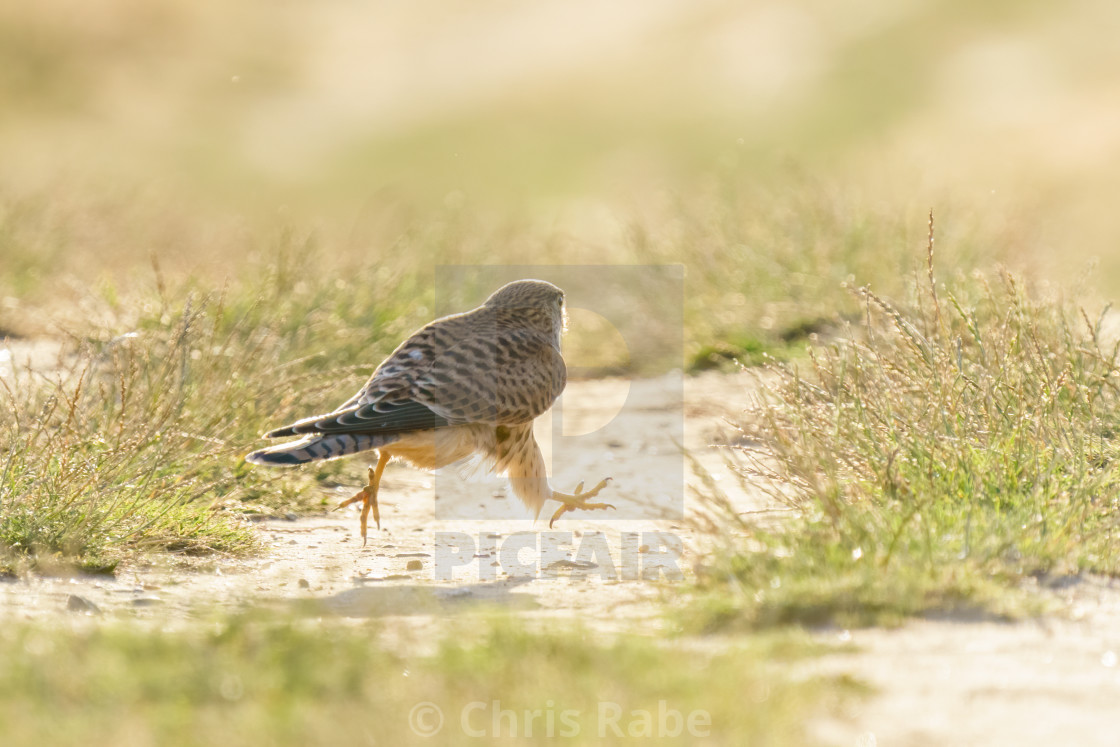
[1050, 681]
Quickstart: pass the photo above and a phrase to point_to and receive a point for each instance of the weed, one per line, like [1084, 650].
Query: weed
[964, 439]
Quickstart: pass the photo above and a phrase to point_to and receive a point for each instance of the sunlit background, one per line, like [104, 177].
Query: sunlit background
[198, 132]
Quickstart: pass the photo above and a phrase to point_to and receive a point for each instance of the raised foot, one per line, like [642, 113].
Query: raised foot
[578, 500]
[368, 495]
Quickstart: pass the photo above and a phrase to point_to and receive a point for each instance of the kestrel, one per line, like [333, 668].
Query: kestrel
[467, 384]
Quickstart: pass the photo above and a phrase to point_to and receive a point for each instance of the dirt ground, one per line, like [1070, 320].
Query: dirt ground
[472, 544]
[1048, 681]
[1053, 680]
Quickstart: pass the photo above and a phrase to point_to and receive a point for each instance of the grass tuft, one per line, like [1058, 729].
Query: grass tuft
[944, 449]
[133, 438]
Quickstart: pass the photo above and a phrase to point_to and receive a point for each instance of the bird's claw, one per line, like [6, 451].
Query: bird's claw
[578, 500]
[368, 495]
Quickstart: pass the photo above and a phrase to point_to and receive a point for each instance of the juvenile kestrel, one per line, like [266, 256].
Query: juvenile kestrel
[466, 384]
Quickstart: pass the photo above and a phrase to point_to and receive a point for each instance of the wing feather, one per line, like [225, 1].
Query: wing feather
[376, 418]
[450, 373]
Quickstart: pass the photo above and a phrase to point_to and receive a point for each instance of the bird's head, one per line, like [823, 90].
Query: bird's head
[536, 302]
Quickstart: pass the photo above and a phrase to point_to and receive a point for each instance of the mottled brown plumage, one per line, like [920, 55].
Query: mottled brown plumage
[467, 384]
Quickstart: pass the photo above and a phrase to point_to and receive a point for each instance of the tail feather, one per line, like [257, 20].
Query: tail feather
[315, 448]
[290, 430]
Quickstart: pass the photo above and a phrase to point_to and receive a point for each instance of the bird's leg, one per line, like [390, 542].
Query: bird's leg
[578, 500]
[368, 494]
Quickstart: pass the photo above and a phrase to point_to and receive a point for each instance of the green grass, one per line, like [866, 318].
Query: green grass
[253, 681]
[169, 374]
[172, 370]
[134, 439]
[944, 450]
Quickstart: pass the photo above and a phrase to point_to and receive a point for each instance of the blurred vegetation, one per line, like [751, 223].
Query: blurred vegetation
[245, 680]
[327, 114]
[775, 150]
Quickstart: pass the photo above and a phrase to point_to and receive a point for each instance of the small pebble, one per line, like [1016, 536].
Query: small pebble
[414, 565]
[304, 583]
[146, 601]
[76, 603]
[582, 565]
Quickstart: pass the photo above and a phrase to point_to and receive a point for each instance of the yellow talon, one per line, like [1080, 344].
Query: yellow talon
[578, 500]
[368, 496]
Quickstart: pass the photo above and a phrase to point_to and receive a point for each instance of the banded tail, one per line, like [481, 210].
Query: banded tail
[348, 430]
[319, 447]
